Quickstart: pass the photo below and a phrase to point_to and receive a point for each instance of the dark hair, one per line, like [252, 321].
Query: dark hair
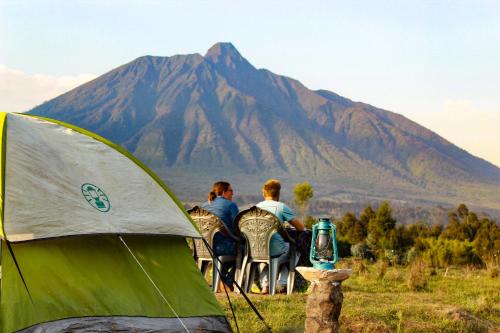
[217, 189]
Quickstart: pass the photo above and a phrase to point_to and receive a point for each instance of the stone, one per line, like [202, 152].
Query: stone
[324, 303]
[311, 274]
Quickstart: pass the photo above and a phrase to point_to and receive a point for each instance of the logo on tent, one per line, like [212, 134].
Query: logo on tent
[96, 197]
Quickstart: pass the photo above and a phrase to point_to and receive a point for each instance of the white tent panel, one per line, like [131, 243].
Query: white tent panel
[59, 182]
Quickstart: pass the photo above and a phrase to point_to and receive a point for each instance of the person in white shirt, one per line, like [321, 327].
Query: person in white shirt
[278, 247]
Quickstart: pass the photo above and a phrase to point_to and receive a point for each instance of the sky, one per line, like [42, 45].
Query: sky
[435, 62]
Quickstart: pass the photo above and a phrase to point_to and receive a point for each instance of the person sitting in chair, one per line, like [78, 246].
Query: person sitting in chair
[220, 204]
[278, 246]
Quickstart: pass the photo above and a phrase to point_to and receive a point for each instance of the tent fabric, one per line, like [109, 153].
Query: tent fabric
[96, 276]
[3, 117]
[91, 239]
[60, 182]
[131, 324]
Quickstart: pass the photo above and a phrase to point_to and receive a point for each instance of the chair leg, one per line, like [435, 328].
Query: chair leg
[291, 281]
[238, 265]
[241, 274]
[291, 272]
[273, 275]
[237, 272]
[248, 277]
[216, 267]
[253, 271]
[200, 265]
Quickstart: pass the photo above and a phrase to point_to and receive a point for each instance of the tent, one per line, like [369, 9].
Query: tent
[91, 239]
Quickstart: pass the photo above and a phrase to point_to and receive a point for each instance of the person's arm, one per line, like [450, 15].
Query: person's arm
[289, 216]
[233, 212]
[233, 208]
[297, 224]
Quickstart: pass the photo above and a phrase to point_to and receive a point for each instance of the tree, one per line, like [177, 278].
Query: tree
[380, 228]
[303, 192]
[487, 240]
[454, 229]
[462, 211]
[463, 224]
[367, 215]
[384, 217]
[351, 229]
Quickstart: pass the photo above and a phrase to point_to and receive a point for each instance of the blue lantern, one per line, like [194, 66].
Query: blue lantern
[324, 253]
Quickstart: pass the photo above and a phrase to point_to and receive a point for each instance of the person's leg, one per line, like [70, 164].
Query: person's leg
[283, 274]
[224, 247]
[264, 277]
[228, 269]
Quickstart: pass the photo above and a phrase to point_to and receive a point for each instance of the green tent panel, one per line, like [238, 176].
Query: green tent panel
[72, 258]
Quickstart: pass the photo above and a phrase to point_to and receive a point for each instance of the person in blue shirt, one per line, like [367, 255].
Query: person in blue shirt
[278, 247]
[220, 204]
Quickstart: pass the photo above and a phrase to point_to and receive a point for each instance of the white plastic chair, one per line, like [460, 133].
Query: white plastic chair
[209, 224]
[257, 226]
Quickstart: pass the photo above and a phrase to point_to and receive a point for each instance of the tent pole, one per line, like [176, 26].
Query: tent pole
[11, 251]
[9, 246]
[239, 288]
[153, 283]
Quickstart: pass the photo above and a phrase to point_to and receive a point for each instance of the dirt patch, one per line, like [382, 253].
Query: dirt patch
[362, 324]
[457, 314]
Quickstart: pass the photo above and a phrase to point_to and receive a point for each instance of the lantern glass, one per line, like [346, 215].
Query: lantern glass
[324, 248]
[323, 253]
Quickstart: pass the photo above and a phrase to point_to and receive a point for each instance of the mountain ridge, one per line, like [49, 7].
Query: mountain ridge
[217, 111]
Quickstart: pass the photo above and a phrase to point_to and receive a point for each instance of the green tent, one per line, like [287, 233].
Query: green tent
[92, 240]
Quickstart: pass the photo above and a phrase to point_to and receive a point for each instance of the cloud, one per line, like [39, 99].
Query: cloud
[20, 91]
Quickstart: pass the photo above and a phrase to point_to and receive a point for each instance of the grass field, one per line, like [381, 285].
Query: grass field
[380, 298]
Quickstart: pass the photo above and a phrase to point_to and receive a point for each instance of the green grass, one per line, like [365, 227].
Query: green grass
[456, 300]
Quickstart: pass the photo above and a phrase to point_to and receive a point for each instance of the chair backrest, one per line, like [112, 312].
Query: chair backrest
[209, 224]
[258, 225]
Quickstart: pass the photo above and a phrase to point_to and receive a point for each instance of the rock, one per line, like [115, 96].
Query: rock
[312, 274]
[325, 300]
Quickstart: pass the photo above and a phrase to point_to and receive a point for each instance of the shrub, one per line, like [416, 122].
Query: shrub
[417, 279]
[411, 255]
[446, 252]
[492, 269]
[381, 269]
[360, 267]
[390, 256]
[361, 251]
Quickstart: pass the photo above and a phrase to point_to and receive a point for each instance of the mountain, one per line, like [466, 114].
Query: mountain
[195, 118]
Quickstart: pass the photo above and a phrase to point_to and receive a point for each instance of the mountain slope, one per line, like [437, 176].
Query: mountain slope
[217, 115]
